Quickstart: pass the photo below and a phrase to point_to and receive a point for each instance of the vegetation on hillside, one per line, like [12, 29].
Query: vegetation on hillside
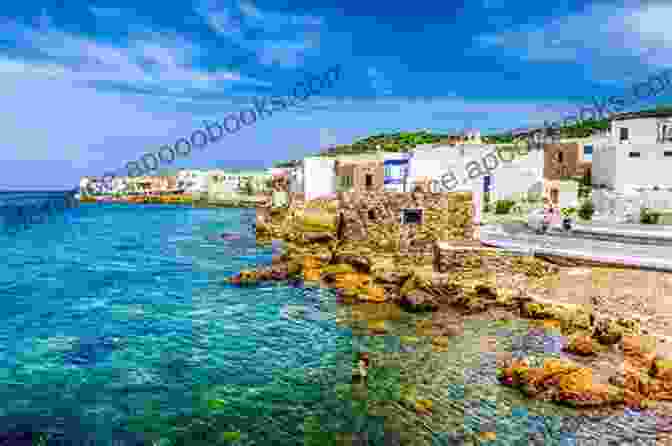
[393, 142]
[405, 141]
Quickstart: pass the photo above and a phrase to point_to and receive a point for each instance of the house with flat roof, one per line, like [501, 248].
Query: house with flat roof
[632, 167]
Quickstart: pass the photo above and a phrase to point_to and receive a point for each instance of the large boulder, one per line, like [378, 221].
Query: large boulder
[417, 300]
[561, 381]
[573, 317]
[611, 331]
[358, 260]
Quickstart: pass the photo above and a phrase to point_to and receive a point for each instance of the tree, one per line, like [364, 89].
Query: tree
[247, 187]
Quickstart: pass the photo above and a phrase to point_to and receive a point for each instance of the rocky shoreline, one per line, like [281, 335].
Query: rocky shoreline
[476, 282]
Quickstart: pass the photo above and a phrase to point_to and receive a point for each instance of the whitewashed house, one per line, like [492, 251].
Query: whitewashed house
[223, 185]
[319, 177]
[523, 176]
[633, 167]
[193, 182]
[395, 167]
[295, 180]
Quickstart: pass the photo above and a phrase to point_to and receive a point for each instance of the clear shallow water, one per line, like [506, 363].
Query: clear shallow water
[114, 310]
[116, 329]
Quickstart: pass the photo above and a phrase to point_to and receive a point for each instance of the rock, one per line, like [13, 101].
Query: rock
[639, 351]
[331, 272]
[611, 331]
[418, 301]
[392, 277]
[662, 369]
[441, 343]
[318, 237]
[311, 274]
[572, 317]
[358, 261]
[351, 281]
[423, 406]
[560, 380]
[607, 332]
[581, 344]
[377, 327]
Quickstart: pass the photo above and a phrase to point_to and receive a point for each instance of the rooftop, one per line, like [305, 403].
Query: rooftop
[642, 114]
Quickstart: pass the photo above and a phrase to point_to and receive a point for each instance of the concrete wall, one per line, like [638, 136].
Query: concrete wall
[650, 168]
[603, 170]
[319, 178]
[640, 131]
[523, 175]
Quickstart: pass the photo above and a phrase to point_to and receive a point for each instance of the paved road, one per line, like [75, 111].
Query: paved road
[518, 234]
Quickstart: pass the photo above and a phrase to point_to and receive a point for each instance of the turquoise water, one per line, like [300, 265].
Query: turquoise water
[117, 329]
[115, 320]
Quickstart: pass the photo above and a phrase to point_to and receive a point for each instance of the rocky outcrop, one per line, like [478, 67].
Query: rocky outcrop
[572, 317]
[561, 381]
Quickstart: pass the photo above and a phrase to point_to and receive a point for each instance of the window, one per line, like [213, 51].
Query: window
[623, 134]
[369, 180]
[345, 181]
[372, 214]
[559, 157]
[587, 150]
[411, 216]
[667, 153]
[634, 155]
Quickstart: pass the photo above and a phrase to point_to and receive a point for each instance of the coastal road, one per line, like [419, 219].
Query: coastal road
[519, 235]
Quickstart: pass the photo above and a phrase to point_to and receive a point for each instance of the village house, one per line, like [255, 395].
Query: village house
[193, 182]
[395, 170]
[223, 184]
[360, 175]
[632, 168]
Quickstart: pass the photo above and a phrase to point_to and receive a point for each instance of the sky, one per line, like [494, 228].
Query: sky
[88, 86]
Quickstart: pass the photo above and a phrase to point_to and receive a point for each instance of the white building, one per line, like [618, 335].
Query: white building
[193, 181]
[638, 153]
[634, 164]
[295, 182]
[319, 177]
[396, 171]
[431, 162]
[522, 176]
[222, 185]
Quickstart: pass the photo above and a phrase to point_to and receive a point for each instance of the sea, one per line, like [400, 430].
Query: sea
[117, 328]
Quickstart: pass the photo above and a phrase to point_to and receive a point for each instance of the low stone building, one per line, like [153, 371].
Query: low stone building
[564, 159]
[360, 176]
[406, 222]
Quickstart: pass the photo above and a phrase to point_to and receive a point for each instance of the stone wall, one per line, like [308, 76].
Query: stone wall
[374, 219]
[358, 171]
[572, 163]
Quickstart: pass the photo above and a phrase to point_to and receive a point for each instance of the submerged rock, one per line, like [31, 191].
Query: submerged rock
[560, 381]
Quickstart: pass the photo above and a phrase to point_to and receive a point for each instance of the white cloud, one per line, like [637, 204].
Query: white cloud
[106, 12]
[606, 36]
[276, 38]
[150, 60]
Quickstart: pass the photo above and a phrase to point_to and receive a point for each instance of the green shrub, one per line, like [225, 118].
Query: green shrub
[504, 206]
[587, 210]
[649, 217]
[568, 212]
